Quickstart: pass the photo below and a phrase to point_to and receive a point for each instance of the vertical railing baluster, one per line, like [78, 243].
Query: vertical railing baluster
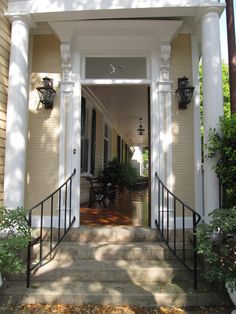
[183, 213]
[29, 255]
[41, 235]
[70, 201]
[175, 225]
[65, 208]
[51, 224]
[159, 205]
[194, 252]
[162, 208]
[59, 217]
[167, 213]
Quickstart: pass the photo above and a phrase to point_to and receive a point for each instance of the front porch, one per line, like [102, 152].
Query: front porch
[129, 208]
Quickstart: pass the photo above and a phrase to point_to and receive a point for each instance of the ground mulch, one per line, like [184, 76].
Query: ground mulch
[105, 309]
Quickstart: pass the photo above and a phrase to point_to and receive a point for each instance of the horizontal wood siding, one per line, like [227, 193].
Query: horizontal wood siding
[182, 122]
[43, 127]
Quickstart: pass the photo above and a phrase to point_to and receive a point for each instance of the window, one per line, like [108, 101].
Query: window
[107, 136]
[93, 142]
[84, 136]
[88, 138]
[115, 68]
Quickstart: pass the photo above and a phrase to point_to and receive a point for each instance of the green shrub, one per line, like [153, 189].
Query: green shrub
[15, 235]
[216, 242]
[222, 145]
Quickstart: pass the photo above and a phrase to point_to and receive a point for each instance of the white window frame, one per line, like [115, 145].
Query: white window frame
[88, 120]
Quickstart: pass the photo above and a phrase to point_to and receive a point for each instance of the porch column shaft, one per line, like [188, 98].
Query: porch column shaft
[155, 136]
[17, 114]
[212, 100]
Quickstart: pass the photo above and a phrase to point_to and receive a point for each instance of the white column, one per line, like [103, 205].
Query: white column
[198, 191]
[212, 100]
[155, 136]
[17, 114]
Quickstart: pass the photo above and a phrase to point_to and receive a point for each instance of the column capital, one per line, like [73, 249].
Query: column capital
[65, 49]
[24, 17]
[213, 11]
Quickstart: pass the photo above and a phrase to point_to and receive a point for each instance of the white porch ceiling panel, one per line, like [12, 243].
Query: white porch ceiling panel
[126, 104]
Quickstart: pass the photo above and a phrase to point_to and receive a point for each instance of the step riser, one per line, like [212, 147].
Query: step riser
[112, 252]
[115, 275]
[146, 300]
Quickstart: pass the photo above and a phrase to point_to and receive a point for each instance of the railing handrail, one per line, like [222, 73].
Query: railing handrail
[164, 197]
[178, 199]
[68, 222]
[53, 193]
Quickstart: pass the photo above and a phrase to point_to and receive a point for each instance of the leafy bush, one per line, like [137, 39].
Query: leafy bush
[222, 145]
[216, 242]
[15, 235]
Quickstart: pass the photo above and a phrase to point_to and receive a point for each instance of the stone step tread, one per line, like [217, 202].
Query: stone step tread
[112, 293]
[106, 233]
[117, 264]
[106, 250]
[113, 270]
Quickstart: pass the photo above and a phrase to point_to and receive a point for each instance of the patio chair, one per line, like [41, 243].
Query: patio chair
[99, 192]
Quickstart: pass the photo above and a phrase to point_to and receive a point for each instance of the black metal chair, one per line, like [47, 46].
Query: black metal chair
[99, 192]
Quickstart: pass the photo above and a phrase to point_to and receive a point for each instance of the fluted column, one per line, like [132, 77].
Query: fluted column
[17, 114]
[212, 100]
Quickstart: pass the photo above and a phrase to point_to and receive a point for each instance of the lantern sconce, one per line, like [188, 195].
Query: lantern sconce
[46, 92]
[184, 92]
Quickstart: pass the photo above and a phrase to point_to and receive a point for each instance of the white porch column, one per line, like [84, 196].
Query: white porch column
[165, 91]
[212, 100]
[17, 114]
[161, 122]
[154, 136]
[66, 103]
[69, 150]
[198, 189]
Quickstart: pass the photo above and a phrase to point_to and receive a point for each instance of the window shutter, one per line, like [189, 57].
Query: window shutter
[93, 142]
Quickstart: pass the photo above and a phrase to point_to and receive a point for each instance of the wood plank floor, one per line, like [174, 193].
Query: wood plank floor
[129, 208]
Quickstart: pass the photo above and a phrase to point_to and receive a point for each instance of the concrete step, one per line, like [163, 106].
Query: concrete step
[112, 271]
[106, 234]
[100, 251]
[115, 293]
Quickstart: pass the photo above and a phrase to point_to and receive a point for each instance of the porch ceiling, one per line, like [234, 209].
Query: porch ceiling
[126, 104]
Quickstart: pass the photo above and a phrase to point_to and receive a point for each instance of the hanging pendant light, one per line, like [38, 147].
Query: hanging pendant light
[140, 129]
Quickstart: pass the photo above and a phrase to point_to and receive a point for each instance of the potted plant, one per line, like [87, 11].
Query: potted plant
[15, 235]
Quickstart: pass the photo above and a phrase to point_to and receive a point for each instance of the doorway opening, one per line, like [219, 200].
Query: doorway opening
[115, 133]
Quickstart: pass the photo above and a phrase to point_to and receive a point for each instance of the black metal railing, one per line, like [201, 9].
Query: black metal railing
[175, 222]
[54, 216]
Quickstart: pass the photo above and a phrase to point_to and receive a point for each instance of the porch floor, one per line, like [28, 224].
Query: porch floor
[129, 208]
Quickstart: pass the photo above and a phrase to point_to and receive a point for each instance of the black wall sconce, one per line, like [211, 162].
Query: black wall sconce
[140, 129]
[184, 92]
[46, 92]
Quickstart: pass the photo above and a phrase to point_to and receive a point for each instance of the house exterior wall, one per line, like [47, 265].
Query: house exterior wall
[182, 122]
[4, 63]
[43, 125]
